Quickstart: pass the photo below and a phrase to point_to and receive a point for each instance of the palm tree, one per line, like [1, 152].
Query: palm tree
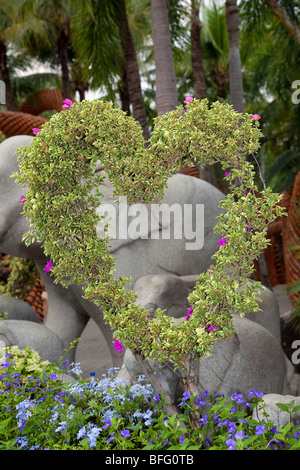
[286, 20]
[196, 53]
[235, 68]
[104, 44]
[166, 87]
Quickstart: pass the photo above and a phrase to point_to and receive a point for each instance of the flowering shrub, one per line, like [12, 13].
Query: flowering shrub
[39, 412]
[62, 211]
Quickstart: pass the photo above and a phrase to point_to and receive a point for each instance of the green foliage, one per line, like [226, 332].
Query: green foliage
[62, 211]
[46, 412]
[22, 278]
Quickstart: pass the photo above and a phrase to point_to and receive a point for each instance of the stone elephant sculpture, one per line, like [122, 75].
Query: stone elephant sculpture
[140, 255]
[253, 357]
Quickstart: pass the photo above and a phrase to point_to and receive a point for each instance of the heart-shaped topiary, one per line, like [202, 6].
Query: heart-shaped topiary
[58, 168]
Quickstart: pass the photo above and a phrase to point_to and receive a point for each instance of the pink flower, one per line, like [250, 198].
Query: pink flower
[67, 103]
[118, 346]
[211, 328]
[256, 117]
[22, 200]
[210, 269]
[184, 111]
[227, 173]
[35, 130]
[188, 99]
[222, 241]
[189, 312]
[48, 266]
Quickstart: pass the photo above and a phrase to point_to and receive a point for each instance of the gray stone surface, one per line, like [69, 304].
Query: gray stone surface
[26, 334]
[251, 358]
[277, 416]
[17, 309]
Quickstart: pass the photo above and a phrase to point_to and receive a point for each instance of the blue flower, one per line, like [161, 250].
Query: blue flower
[110, 438]
[107, 423]
[155, 399]
[255, 393]
[259, 430]
[231, 444]
[62, 426]
[240, 435]
[199, 401]
[125, 433]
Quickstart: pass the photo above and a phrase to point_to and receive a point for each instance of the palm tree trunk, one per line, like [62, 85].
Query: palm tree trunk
[132, 73]
[196, 54]
[166, 88]
[9, 99]
[235, 68]
[284, 18]
[205, 172]
[62, 48]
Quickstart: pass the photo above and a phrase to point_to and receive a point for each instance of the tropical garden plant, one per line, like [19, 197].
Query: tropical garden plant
[39, 410]
[62, 212]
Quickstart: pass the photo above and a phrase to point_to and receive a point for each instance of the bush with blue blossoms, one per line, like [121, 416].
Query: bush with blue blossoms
[40, 412]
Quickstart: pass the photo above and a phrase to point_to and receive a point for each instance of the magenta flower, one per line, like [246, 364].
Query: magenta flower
[35, 130]
[188, 99]
[210, 269]
[189, 312]
[256, 117]
[67, 103]
[22, 200]
[227, 173]
[211, 328]
[248, 229]
[118, 346]
[184, 111]
[222, 241]
[48, 266]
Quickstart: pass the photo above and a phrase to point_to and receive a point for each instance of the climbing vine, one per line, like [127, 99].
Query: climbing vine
[58, 168]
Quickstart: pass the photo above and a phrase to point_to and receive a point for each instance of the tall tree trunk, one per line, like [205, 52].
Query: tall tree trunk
[9, 99]
[124, 94]
[236, 89]
[166, 88]
[62, 48]
[284, 18]
[235, 68]
[196, 54]
[132, 73]
[205, 172]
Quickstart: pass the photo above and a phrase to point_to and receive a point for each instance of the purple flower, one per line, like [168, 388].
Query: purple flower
[110, 438]
[35, 130]
[125, 433]
[166, 442]
[186, 395]
[189, 312]
[199, 401]
[222, 241]
[240, 435]
[22, 200]
[259, 430]
[48, 266]
[118, 345]
[230, 444]
[67, 103]
[238, 397]
[255, 393]
[107, 423]
[227, 173]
